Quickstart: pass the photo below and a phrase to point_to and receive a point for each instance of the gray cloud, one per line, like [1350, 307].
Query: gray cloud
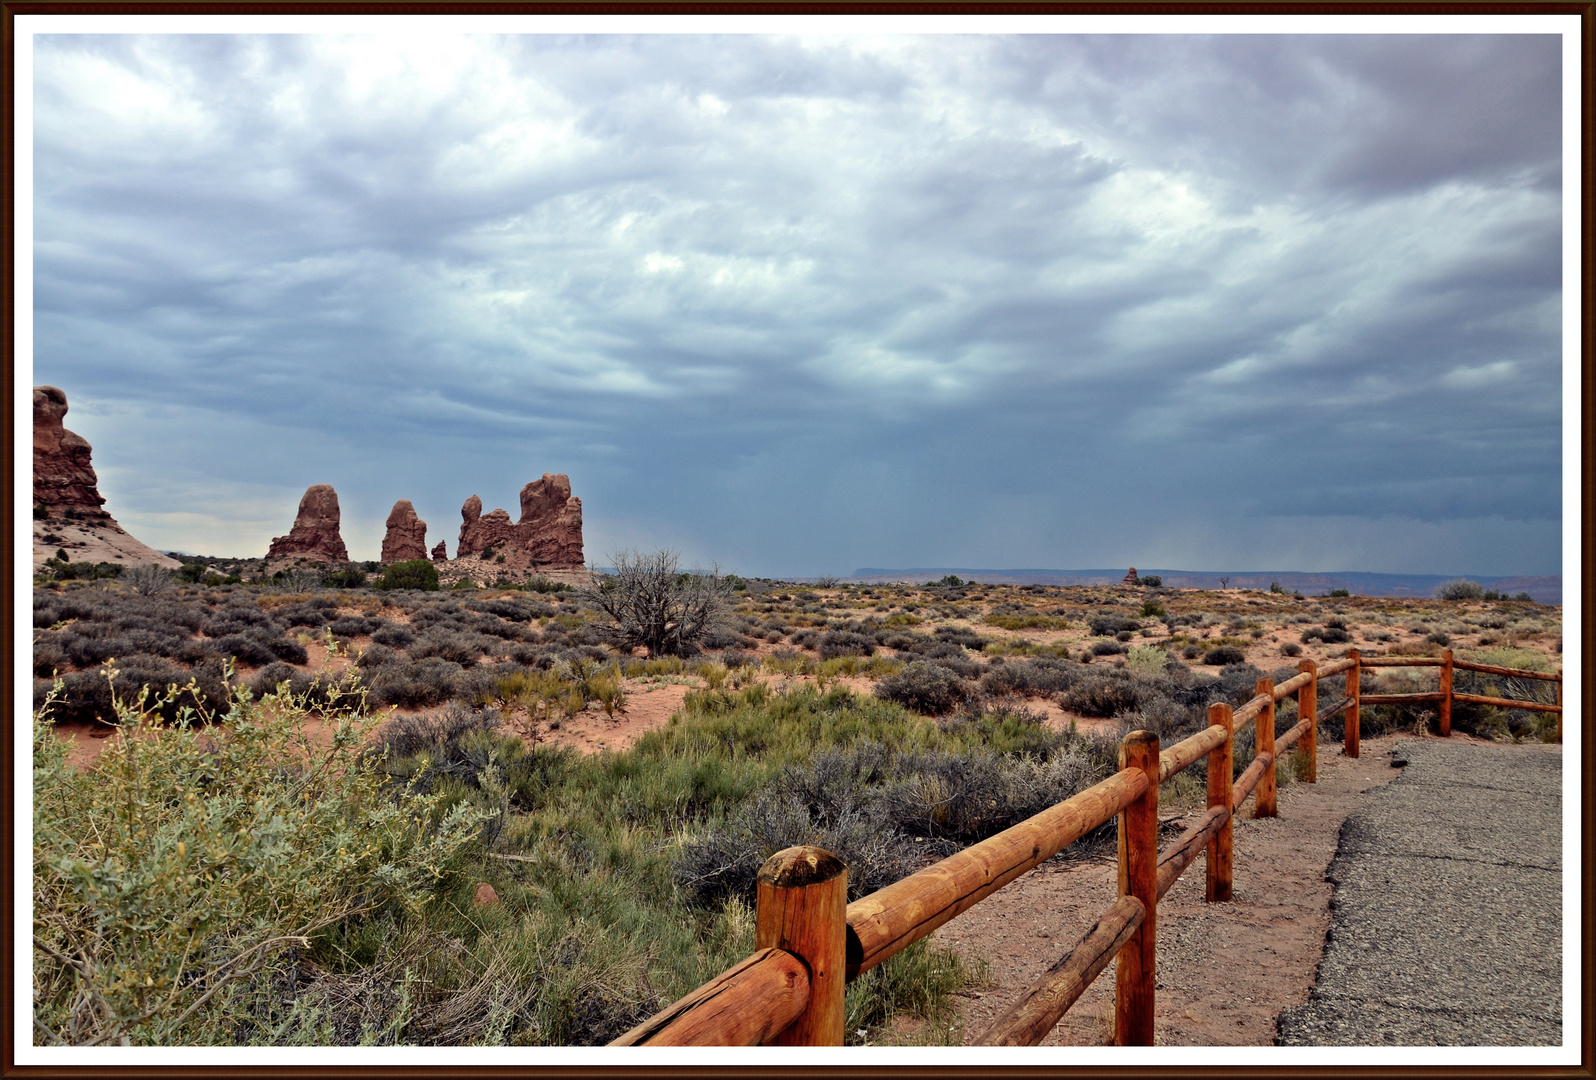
[805, 304]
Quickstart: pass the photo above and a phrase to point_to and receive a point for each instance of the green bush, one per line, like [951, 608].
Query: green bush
[171, 879]
[1225, 654]
[1340, 592]
[353, 576]
[411, 574]
[1146, 660]
[1460, 589]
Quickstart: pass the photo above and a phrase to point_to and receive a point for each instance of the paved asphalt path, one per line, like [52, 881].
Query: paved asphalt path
[1446, 923]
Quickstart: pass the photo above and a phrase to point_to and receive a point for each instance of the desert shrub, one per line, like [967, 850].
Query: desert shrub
[723, 862]
[463, 648]
[1146, 660]
[1152, 609]
[300, 615]
[1109, 625]
[415, 684]
[236, 618]
[1101, 693]
[1439, 637]
[395, 635]
[1330, 634]
[89, 696]
[410, 574]
[1225, 655]
[354, 625]
[1029, 678]
[48, 656]
[307, 688]
[1152, 581]
[255, 651]
[1459, 589]
[961, 636]
[650, 602]
[1340, 592]
[1191, 652]
[352, 576]
[154, 916]
[846, 643]
[1107, 648]
[1291, 648]
[924, 687]
[147, 579]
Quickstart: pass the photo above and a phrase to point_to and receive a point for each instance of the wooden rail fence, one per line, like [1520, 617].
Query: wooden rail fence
[811, 942]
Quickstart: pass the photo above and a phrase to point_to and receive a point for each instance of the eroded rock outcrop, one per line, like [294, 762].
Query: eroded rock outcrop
[440, 553]
[63, 477]
[548, 534]
[315, 533]
[406, 538]
[68, 510]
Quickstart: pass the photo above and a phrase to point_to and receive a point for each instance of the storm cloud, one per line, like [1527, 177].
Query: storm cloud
[802, 304]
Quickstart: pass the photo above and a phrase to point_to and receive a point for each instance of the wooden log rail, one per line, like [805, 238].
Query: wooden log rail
[790, 990]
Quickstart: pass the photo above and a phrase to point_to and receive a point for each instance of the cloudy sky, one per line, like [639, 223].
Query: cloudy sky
[800, 304]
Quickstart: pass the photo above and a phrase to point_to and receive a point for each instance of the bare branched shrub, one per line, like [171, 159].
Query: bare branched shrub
[650, 601]
[147, 579]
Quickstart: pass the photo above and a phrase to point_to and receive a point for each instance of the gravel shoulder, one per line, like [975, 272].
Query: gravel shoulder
[1446, 927]
[1225, 971]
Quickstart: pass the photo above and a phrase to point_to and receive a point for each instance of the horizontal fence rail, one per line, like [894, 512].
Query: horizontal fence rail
[809, 941]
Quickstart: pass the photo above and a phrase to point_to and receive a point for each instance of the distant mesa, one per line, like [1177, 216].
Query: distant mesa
[314, 536]
[547, 536]
[406, 538]
[68, 510]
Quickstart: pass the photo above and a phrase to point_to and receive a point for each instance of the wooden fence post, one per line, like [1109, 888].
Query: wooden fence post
[1264, 743]
[803, 908]
[1138, 877]
[1350, 740]
[1221, 772]
[1446, 693]
[1559, 706]
[1308, 709]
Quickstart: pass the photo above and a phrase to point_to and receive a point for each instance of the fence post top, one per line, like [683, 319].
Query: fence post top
[1307, 665]
[1265, 685]
[1138, 737]
[796, 867]
[1219, 712]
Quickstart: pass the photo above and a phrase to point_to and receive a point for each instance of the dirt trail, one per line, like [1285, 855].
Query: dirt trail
[1225, 971]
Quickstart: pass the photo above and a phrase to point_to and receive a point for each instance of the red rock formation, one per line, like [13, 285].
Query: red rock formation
[406, 538]
[440, 553]
[68, 506]
[63, 477]
[1130, 577]
[549, 533]
[552, 519]
[315, 533]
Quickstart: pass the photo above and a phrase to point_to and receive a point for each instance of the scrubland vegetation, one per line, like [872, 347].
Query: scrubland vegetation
[288, 838]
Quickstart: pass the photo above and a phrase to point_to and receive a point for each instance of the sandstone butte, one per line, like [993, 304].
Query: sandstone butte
[68, 510]
[547, 536]
[406, 537]
[315, 534]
